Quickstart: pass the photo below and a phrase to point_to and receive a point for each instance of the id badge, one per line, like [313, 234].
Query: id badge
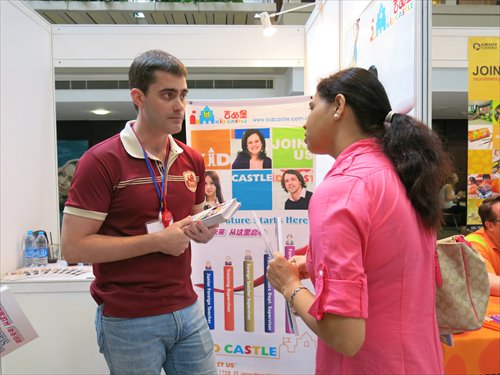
[154, 226]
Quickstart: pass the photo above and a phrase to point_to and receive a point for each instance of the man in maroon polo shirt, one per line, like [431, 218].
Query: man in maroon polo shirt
[128, 213]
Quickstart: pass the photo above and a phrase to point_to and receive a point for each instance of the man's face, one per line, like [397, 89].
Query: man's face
[163, 105]
[292, 183]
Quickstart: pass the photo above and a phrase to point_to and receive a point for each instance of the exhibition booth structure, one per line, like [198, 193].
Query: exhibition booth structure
[253, 335]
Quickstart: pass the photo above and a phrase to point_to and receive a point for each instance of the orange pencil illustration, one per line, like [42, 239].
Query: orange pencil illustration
[228, 295]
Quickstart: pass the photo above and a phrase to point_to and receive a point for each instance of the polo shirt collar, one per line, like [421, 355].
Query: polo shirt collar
[134, 148]
[488, 240]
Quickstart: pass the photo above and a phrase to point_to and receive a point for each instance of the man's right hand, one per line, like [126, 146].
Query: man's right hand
[174, 240]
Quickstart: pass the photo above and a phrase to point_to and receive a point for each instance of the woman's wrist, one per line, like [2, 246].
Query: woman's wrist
[287, 292]
[291, 300]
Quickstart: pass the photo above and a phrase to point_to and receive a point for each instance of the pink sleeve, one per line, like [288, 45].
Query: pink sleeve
[340, 224]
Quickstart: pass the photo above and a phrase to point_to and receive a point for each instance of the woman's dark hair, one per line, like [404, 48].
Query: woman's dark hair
[244, 146]
[414, 149]
[216, 180]
[296, 173]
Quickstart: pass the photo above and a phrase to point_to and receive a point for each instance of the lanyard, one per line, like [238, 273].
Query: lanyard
[165, 215]
[161, 195]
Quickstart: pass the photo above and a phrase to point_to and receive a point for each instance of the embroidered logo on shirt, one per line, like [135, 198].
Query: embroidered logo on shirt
[190, 180]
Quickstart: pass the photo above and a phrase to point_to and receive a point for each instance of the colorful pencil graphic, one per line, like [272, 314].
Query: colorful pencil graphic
[268, 300]
[208, 289]
[228, 295]
[248, 292]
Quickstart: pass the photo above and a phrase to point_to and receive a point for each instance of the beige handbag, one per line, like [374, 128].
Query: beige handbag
[462, 289]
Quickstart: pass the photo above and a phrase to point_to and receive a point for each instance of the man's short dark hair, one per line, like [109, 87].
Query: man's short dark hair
[294, 172]
[485, 210]
[141, 74]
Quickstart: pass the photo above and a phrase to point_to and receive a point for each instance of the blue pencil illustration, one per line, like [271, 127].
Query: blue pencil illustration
[208, 289]
[268, 300]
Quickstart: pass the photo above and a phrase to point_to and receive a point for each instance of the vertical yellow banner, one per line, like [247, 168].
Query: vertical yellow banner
[483, 123]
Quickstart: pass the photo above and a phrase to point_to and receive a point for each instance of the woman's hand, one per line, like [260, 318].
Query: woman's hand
[283, 274]
[300, 263]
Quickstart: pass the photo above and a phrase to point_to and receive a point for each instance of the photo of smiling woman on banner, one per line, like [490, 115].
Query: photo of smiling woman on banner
[253, 151]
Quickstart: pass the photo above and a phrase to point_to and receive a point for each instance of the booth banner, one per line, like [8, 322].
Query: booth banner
[382, 39]
[483, 123]
[247, 318]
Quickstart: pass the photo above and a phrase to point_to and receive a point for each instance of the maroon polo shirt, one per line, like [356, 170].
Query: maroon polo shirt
[112, 184]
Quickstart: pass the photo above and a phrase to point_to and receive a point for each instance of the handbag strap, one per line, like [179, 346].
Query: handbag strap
[439, 277]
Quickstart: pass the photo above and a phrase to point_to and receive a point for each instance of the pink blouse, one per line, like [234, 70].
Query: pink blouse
[371, 257]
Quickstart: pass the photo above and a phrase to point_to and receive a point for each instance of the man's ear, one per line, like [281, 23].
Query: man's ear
[488, 224]
[137, 97]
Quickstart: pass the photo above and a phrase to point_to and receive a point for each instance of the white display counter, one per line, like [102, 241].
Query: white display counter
[62, 312]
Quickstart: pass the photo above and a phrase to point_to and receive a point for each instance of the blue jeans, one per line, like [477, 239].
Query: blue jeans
[178, 342]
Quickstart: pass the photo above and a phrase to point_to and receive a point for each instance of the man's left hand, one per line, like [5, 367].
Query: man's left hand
[199, 232]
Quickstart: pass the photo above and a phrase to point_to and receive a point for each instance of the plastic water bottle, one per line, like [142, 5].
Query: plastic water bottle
[42, 251]
[29, 249]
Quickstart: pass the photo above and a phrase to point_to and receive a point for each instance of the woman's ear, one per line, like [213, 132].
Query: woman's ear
[339, 106]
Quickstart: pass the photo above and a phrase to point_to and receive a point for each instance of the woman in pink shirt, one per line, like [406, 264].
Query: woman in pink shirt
[373, 223]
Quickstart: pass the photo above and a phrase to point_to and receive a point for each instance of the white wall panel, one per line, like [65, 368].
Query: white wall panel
[196, 46]
[28, 176]
[322, 44]
[449, 44]
[322, 59]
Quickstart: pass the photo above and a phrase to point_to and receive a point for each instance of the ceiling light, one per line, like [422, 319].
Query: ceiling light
[100, 112]
[139, 15]
[265, 18]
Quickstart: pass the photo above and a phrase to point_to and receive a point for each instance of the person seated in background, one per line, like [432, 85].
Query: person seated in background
[486, 241]
[450, 199]
[294, 184]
